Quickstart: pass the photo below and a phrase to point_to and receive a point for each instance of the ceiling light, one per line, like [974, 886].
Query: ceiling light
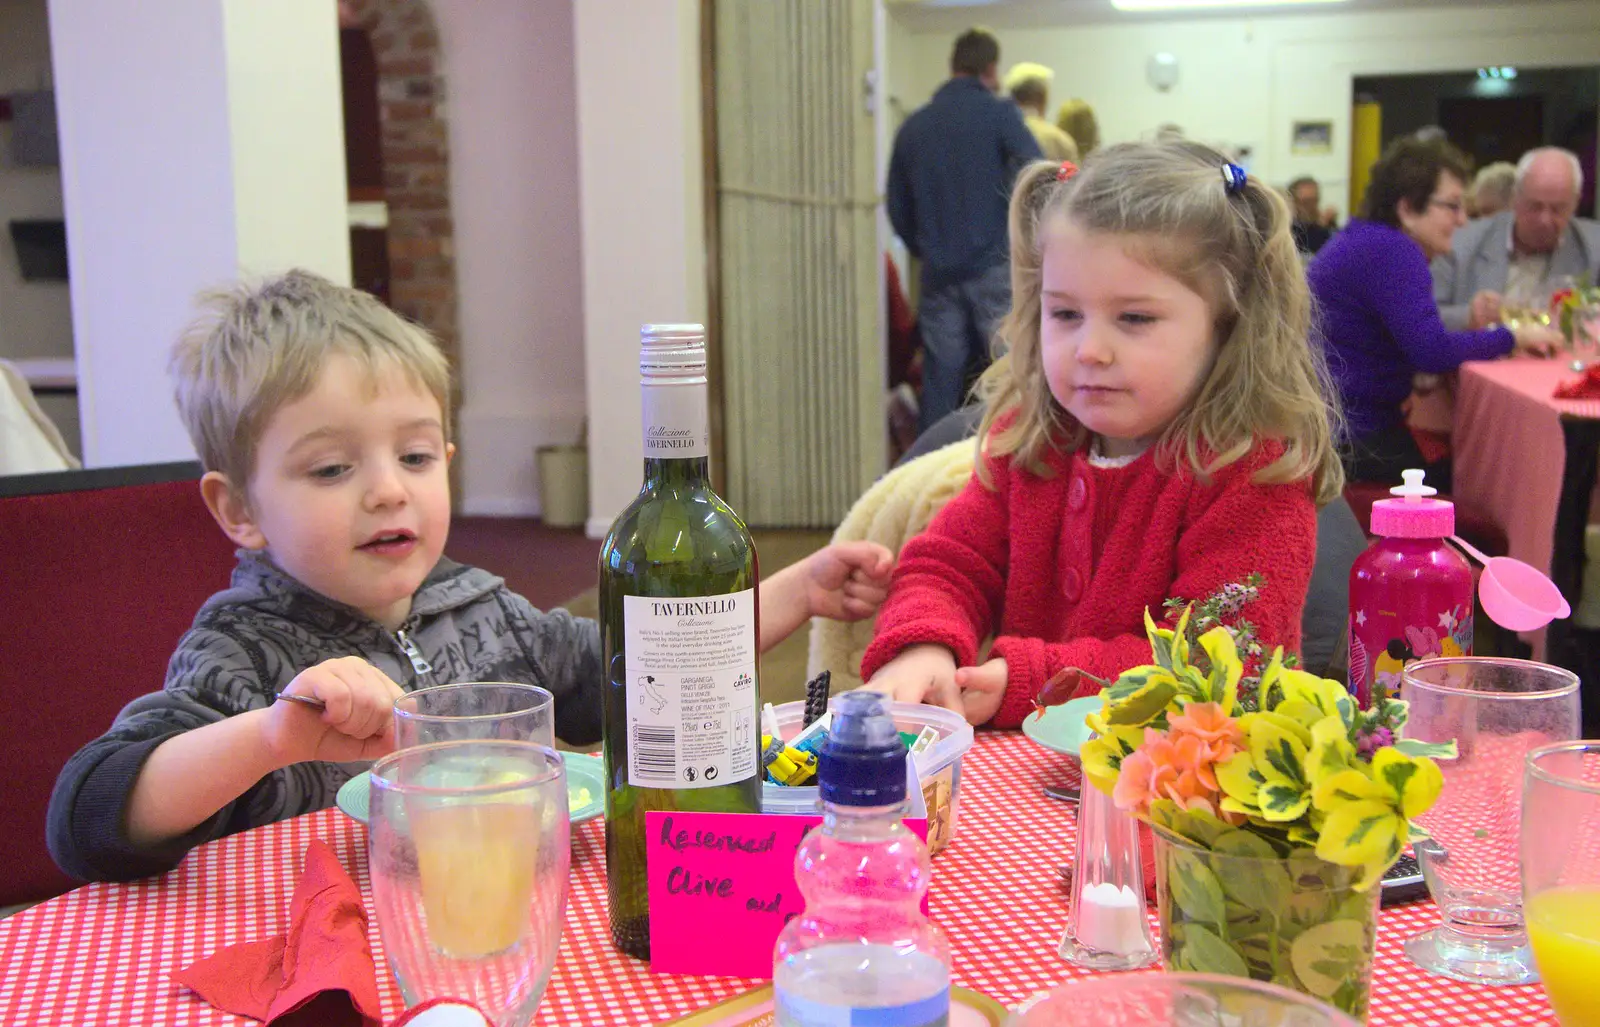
[1196, 5]
[1508, 72]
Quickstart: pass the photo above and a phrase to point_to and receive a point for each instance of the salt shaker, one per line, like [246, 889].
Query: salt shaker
[1106, 925]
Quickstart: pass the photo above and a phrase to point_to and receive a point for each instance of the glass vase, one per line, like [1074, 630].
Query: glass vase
[1247, 908]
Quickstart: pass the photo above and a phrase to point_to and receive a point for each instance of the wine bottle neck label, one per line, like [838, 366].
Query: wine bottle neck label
[676, 420]
[691, 684]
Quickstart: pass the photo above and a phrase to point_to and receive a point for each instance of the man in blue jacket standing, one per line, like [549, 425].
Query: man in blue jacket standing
[949, 184]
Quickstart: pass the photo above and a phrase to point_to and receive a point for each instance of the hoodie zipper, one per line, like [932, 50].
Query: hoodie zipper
[414, 654]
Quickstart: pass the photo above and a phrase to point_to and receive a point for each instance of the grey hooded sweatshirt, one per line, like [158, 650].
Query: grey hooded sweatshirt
[249, 641]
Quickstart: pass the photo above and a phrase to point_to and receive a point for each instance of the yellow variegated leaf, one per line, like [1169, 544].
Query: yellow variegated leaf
[1281, 723]
[1352, 785]
[1101, 758]
[1180, 645]
[1364, 833]
[1269, 680]
[1231, 805]
[1151, 700]
[1414, 782]
[1237, 778]
[1332, 698]
[1279, 750]
[1331, 751]
[1283, 802]
[1303, 834]
[1300, 711]
[1226, 668]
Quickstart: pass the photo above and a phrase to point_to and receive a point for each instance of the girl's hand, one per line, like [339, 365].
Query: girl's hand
[358, 723]
[1536, 340]
[982, 688]
[847, 580]
[921, 674]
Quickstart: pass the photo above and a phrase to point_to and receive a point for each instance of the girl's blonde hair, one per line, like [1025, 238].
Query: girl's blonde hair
[1167, 204]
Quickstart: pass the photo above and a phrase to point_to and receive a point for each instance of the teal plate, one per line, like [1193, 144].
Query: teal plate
[1061, 728]
[586, 790]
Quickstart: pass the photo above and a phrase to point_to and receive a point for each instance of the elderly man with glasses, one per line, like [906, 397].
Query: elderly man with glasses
[1520, 256]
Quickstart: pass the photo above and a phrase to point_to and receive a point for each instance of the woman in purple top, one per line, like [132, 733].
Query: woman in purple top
[1377, 320]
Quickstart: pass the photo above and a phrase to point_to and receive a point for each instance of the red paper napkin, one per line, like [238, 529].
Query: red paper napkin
[319, 972]
[1585, 387]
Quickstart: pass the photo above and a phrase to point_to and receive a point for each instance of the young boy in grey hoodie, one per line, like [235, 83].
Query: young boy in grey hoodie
[323, 422]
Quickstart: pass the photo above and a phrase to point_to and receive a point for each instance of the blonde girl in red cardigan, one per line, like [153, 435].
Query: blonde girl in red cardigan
[1158, 427]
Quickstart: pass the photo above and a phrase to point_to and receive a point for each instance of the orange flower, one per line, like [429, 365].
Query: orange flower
[1166, 767]
[1218, 734]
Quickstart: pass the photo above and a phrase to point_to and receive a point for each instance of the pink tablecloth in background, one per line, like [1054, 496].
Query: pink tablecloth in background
[1510, 454]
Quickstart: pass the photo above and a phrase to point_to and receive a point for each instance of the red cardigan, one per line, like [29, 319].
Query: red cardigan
[1062, 567]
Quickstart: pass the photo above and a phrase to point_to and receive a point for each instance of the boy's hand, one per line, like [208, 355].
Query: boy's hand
[921, 674]
[358, 723]
[982, 688]
[847, 580]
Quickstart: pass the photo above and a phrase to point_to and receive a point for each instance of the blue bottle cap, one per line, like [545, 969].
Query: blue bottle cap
[863, 762]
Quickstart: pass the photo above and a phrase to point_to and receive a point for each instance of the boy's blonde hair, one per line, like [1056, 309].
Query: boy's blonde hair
[259, 346]
[1167, 204]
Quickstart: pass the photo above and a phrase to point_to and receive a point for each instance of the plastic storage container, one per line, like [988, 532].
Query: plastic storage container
[938, 766]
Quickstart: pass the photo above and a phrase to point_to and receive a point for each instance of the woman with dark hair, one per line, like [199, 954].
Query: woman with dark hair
[1377, 319]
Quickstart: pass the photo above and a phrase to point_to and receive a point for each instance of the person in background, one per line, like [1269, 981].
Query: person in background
[1527, 252]
[1313, 224]
[1378, 323]
[1028, 85]
[1076, 118]
[1158, 428]
[1491, 189]
[950, 172]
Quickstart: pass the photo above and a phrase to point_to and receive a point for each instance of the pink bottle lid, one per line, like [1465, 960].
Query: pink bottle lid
[1413, 514]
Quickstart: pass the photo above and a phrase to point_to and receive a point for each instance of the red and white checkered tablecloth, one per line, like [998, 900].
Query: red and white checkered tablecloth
[102, 954]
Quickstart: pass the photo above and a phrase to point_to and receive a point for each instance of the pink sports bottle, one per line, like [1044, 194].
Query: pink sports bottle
[1410, 592]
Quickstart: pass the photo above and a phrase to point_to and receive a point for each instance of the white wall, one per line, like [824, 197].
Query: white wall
[512, 114]
[1246, 80]
[638, 85]
[151, 99]
[35, 317]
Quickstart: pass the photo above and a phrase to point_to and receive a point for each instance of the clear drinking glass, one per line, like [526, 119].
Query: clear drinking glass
[1496, 711]
[1561, 875]
[1176, 1000]
[475, 710]
[469, 857]
[1585, 336]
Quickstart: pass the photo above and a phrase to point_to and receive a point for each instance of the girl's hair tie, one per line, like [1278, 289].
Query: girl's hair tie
[1233, 179]
[1066, 171]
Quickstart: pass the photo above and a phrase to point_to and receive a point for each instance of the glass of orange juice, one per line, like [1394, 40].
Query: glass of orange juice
[469, 856]
[1561, 875]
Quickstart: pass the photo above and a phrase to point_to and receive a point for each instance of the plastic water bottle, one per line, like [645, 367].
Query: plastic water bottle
[862, 952]
[1410, 592]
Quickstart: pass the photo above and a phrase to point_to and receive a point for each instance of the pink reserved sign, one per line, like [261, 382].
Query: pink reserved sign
[722, 886]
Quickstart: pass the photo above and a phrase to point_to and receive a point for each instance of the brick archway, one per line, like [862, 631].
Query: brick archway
[416, 161]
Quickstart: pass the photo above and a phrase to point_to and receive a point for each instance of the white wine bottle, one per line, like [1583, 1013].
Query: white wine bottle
[678, 623]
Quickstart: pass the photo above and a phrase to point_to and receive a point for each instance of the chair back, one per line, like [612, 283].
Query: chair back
[101, 572]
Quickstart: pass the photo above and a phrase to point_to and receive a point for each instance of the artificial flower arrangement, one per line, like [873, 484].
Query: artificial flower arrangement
[1276, 802]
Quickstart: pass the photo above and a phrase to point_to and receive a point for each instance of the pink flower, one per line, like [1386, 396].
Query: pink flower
[1166, 767]
[1217, 734]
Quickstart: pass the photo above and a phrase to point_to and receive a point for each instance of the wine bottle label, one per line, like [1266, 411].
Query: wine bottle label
[675, 421]
[691, 680]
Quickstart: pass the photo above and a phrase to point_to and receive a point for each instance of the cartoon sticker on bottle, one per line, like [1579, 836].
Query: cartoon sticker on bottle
[691, 679]
[1379, 662]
